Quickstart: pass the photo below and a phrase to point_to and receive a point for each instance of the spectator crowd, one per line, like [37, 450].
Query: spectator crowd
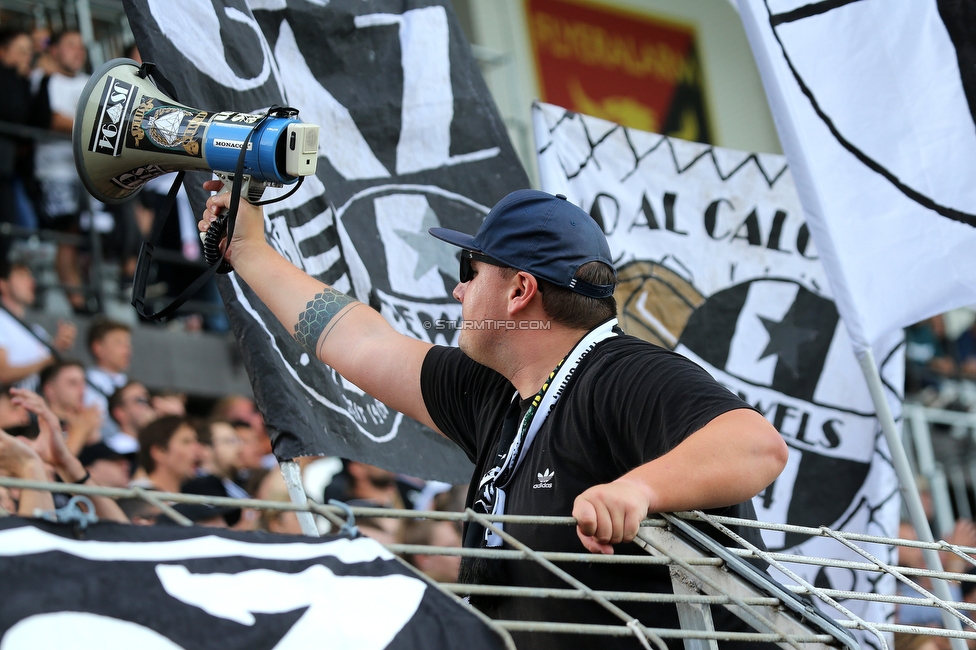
[43, 76]
[940, 358]
[93, 424]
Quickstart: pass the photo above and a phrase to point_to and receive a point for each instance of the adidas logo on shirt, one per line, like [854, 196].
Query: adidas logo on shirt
[545, 480]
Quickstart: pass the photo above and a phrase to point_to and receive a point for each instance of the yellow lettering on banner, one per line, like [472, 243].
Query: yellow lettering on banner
[620, 109]
[595, 46]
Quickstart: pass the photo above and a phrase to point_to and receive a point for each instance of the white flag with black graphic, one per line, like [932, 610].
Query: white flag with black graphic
[174, 588]
[715, 261]
[410, 139]
[875, 105]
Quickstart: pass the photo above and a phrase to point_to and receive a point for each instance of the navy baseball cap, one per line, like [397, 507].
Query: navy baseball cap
[541, 234]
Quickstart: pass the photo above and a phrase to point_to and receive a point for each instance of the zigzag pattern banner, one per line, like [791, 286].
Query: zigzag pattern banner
[715, 261]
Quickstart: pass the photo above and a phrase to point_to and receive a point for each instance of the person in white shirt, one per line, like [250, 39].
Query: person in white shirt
[63, 197]
[130, 409]
[110, 345]
[25, 348]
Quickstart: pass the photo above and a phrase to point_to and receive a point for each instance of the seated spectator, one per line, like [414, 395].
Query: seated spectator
[107, 466]
[366, 486]
[929, 359]
[168, 402]
[362, 482]
[25, 349]
[43, 61]
[63, 387]
[261, 484]
[110, 345]
[218, 467]
[251, 452]
[169, 453]
[220, 459]
[48, 450]
[284, 522]
[129, 407]
[431, 532]
[237, 408]
[962, 534]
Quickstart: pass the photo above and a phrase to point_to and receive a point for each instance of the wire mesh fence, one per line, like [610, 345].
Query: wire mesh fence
[794, 613]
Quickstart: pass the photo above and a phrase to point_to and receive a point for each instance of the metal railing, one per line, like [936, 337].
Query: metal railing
[703, 574]
[951, 476]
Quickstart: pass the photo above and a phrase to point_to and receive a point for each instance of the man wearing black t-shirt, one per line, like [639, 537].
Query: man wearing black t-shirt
[559, 410]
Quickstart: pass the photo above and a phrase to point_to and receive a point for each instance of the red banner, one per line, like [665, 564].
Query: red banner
[626, 67]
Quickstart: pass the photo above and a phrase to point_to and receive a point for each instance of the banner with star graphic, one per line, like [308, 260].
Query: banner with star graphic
[410, 139]
[715, 261]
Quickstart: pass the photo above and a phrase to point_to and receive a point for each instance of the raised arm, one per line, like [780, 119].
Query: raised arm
[12, 374]
[729, 460]
[51, 446]
[345, 334]
[19, 460]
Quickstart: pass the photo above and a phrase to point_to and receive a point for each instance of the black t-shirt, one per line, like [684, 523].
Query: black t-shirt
[627, 403]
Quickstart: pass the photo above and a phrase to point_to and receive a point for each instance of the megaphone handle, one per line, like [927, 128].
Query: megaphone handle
[216, 232]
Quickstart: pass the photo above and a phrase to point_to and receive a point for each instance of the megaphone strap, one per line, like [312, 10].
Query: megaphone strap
[141, 279]
[148, 70]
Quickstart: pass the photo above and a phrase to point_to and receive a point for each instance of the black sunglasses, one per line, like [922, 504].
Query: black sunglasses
[467, 273]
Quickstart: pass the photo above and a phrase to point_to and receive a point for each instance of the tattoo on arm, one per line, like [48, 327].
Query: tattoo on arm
[317, 315]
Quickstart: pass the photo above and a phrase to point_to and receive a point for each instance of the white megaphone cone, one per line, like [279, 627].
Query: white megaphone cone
[127, 132]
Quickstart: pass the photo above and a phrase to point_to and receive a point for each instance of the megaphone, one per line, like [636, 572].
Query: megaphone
[128, 132]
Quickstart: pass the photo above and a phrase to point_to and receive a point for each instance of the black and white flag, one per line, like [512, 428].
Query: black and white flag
[875, 104]
[715, 261]
[174, 588]
[410, 139]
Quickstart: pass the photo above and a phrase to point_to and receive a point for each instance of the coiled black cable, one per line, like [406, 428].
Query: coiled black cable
[211, 244]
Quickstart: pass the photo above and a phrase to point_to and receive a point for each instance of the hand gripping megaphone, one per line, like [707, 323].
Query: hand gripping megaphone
[128, 132]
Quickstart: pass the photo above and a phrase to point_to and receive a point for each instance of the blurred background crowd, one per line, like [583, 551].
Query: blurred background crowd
[72, 410]
[941, 361]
